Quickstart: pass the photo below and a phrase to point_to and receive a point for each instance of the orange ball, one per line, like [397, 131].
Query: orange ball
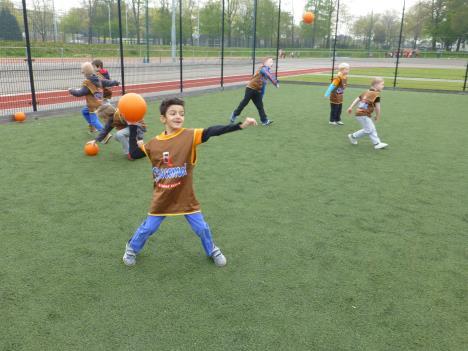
[133, 107]
[91, 149]
[308, 17]
[20, 116]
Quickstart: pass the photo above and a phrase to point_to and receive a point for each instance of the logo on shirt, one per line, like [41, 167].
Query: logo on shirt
[169, 173]
[167, 159]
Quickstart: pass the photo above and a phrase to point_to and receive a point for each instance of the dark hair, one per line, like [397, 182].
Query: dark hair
[169, 102]
[98, 63]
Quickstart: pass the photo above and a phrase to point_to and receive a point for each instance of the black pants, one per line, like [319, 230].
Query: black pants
[335, 112]
[256, 97]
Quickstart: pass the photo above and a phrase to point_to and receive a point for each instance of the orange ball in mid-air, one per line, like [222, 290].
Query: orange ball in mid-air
[20, 116]
[91, 149]
[308, 17]
[133, 107]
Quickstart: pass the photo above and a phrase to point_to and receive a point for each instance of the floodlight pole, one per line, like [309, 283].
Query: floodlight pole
[336, 35]
[29, 59]
[146, 60]
[122, 69]
[181, 55]
[399, 44]
[254, 37]
[222, 46]
[278, 37]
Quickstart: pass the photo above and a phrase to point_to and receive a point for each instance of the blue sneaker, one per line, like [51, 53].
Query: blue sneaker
[267, 122]
[232, 120]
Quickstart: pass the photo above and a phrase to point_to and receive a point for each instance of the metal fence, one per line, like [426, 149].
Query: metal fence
[36, 77]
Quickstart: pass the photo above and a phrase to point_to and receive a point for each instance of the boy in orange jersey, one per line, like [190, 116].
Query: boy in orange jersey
[173, 155]
[255, 91]
[367, 102]
[335, 91]
[91, 89]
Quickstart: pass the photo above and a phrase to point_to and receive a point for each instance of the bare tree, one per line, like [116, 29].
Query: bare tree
[232, 7]
[42, 18]
[136, 10]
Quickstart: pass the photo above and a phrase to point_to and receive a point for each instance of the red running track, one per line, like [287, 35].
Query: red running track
[59, 97]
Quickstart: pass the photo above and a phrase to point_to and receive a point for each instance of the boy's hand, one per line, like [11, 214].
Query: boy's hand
[91, 142]
[140, 143]
[248, 122]
[350, 110]
[277, 85]
[70, 90]
[377, 118]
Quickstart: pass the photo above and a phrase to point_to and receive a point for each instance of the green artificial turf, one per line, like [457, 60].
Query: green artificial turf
[362, 76]
[330, 246]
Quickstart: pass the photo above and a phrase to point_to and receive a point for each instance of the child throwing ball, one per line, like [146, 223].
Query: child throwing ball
[255, 91]
[173, 155]
[366, 103]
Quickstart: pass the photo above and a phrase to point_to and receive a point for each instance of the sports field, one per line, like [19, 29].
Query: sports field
[330, 246]
[408, 77]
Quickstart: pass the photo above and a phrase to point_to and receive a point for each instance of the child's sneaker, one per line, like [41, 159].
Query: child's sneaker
[352, 140]
[332, 123]
[267, 122]
[233, 118]
[106, 138]
[380, 146]
[218, 258]
[340, 123]
[129, 256]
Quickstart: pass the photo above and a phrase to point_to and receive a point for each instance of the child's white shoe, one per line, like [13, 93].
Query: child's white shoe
[340, 123]
[380, 146]
[218, 258]
[352, 140]
[332, 123]
[129, 256]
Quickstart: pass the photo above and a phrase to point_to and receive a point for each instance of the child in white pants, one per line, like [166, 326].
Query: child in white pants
[367, 102]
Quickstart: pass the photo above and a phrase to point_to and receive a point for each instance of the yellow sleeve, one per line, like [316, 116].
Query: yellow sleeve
[197, 137]
[336, 81]
[197, 140]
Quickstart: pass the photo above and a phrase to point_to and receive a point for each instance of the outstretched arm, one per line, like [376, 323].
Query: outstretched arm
[350, 108]
[83, 91]
[268, 74]
[331, 87]
[109, 83]
[134, 151]
[220, 130]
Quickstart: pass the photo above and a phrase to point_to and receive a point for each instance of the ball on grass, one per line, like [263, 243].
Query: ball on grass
[91, 149]
[20, 117]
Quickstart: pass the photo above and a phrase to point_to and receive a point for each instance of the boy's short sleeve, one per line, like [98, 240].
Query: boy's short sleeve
[336, 81]
[197, 136]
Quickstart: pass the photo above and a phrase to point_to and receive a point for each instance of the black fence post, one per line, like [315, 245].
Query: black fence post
[254, 37]
[181, 56]
[278, 37]
[29, 59]
[122, 67]
[222, 48]
[466, 76]
[399, 45]
[336, 35]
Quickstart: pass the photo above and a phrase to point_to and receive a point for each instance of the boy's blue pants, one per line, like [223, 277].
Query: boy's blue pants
[91, 118]
[152, 223]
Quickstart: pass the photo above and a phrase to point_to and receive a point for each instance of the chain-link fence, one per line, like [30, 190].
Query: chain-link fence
[182, 45]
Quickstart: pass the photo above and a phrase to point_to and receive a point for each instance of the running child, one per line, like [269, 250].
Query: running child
[367, 102]
[114, 119]
[173, 155]
[92, 90]
[335, 91]
[103, 73]
[255, 91]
